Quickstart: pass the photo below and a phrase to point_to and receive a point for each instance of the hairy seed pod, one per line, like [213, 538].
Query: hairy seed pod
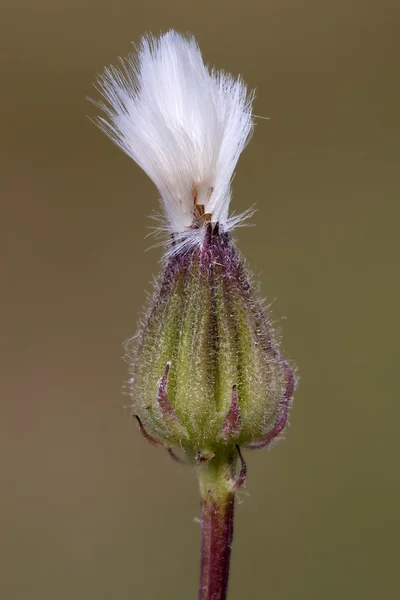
[206, 370]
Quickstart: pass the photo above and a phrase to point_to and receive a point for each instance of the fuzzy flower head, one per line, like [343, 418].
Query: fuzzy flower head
[206, 373]
[184, 124]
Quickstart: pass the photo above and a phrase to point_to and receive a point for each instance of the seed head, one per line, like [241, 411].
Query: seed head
[206, 372]
[184, 124]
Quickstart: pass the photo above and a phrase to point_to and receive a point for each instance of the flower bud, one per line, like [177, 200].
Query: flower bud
[206, 371]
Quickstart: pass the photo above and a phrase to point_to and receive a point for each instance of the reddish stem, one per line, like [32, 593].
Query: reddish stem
[217, 532]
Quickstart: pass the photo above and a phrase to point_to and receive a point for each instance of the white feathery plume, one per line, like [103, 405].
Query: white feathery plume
[183, 124]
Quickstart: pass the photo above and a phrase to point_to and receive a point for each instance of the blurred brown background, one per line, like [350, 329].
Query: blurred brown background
[89, 510]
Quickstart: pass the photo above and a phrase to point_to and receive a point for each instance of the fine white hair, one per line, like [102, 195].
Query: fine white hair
[184, 124]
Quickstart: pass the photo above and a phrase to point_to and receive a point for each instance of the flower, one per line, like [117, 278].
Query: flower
[206, 371]
[184, 124]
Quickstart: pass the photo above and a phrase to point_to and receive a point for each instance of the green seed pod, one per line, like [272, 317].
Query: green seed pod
[206, 370]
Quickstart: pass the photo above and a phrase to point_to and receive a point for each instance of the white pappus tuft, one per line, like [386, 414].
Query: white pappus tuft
[184, 124]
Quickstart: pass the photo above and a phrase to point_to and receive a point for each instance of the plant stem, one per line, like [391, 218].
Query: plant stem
[217, 512]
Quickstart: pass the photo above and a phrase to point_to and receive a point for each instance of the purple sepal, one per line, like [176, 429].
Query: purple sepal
[279, 426]
[162, 397]
[241, 478]
[154, 442]
[232, 425]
